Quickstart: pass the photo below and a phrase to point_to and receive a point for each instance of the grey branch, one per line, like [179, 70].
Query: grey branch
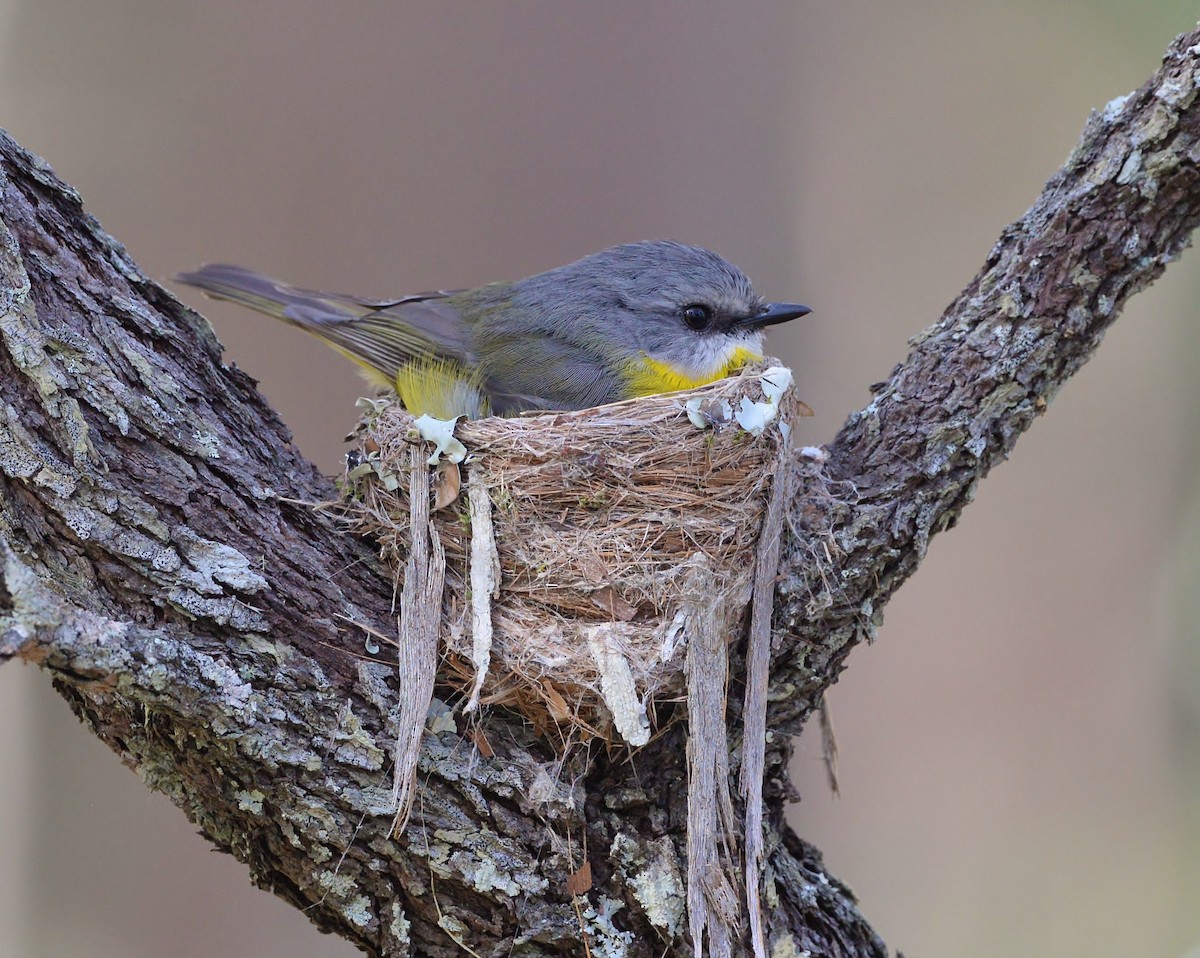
[163, 561]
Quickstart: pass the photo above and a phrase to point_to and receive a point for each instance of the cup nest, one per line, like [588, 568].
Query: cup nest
[600, 518]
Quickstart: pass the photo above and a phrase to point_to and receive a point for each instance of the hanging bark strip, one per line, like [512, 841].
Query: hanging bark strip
[420, 626]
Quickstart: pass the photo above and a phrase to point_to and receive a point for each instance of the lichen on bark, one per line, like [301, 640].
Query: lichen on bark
[162, 562]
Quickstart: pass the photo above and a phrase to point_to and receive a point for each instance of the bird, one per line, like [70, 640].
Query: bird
[633, 320]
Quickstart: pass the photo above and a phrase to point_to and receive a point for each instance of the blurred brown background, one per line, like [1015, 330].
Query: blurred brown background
[1020, 747]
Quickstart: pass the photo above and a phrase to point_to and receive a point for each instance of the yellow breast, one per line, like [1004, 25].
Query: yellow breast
[440, 388]
[646, 376]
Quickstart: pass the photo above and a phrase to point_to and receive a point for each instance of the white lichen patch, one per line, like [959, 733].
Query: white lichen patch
[370, 760]
[86, 523]
[333, 883]
[437, 854]
[157, 678]
[17, 458]
[1175, 91]
[1130, 167]
[754, 417]
[223, 611]
[355, 746]
[358, 911]
[487, 877]
[250, 801]
[440, 432]
[206, 444]
[399, 928]
[131, 543]
[216, 565]
[261, 645]
[479, 857]
[652, 873]
[236, 693]
[605, 939]
[376, 800]
[1114, 107]
[58, 482]
[452, 926]
[76, 428]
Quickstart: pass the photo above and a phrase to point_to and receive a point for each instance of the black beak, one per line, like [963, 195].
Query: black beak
[774, 313]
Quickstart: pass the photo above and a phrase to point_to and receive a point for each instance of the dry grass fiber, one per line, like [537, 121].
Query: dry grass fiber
[599, 517]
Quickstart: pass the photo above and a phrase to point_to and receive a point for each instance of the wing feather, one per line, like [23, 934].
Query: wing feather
[383, 335]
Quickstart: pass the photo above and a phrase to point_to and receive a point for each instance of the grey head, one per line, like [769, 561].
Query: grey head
[679, 304]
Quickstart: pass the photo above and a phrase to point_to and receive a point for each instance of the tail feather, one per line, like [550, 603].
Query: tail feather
[384, 337]
[248, 288]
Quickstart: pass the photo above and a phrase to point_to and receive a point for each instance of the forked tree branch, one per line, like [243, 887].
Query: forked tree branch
[161, 560]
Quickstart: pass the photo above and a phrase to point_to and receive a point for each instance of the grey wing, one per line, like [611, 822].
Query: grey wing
[381, 334]
[391, 336]
[553, 375]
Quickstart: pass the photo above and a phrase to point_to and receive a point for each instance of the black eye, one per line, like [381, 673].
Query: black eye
[697, 316]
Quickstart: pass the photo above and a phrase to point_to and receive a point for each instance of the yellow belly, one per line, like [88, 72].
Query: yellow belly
[647, 376]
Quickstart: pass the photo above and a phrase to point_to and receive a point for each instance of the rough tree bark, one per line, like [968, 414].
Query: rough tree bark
[162, 561]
